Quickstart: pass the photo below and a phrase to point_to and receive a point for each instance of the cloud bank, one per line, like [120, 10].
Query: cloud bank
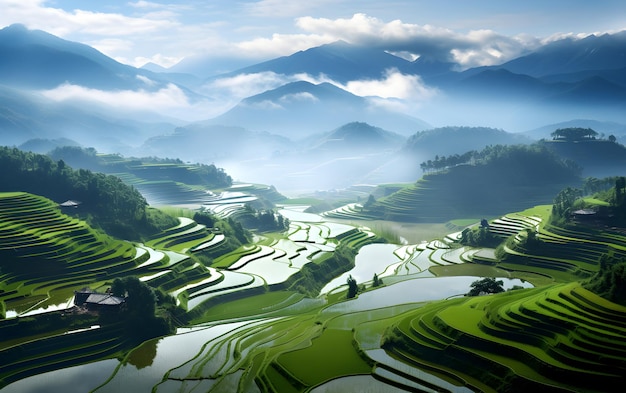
[142, 31]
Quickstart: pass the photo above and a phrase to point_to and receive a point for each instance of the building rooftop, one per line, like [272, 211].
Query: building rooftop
[104, 299]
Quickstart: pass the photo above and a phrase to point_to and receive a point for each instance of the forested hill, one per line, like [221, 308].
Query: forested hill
[457, 140]
[477, 184]
[105, 201]
[598, 157]
[149, 168]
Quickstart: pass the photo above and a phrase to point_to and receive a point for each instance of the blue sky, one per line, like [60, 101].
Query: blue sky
[244, 32]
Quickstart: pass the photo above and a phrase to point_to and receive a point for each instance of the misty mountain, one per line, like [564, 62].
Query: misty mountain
[433, 71]
[153, 67]
[25, 116]
[263, 133]
[201, 142]
[570, 56]
[299, 109]
[588, 72]
[187, 80]
[446, 141]
[44, 146]
[210, 65]
[355, 137]
[597, 158]
[351, 154]
[501, 82]
[36, 59]
[338, 61]
[537, 88]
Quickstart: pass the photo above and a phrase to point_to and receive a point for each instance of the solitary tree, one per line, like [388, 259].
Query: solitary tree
[353, 287]
[376, 282]
[485, 286]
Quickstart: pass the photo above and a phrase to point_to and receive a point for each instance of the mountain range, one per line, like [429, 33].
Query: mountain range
[568, 79]
[34, 59]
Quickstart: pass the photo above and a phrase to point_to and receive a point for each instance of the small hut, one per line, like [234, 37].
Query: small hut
[96, 301]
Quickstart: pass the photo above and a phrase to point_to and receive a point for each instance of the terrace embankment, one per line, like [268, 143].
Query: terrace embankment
[562, 338]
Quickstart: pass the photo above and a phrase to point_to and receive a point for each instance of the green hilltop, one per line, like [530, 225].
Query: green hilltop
[493, 181]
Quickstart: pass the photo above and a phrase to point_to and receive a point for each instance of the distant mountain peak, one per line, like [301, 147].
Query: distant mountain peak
[15, 27]
[339, 60]
[40, 60]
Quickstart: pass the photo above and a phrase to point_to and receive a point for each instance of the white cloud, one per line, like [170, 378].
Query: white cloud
[163, 61]
[167, 97]
[476, 47]
[266, 105]
[111, 33]
[304, 96]
[394, 91]
[281, 44]
[246, 85]
[34, 14]
[168, 101]
[145, 4]
[284, 8]
[146, 80]
[393, 85]
[406, 55]
[112, 45]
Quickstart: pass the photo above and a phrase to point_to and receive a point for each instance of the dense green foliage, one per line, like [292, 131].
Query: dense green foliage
[570, 199]
[610, 281]
[139, 310]
[593, 185]
[479, 237]
[105, 201]
[574, 133]
[619, 201]
[486, 285]
[263, 220]
[532, 160]
[564, 203]
[140, 298]
[494, 181]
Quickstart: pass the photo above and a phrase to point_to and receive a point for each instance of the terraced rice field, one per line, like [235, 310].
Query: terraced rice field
[45, 252]
[560, 338]
[248, 333]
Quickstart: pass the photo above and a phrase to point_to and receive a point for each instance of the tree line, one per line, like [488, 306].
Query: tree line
[573, 134]
[610, 189]
[536, 158]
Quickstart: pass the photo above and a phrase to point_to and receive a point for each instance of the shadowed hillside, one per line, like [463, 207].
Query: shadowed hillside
[496, 180]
